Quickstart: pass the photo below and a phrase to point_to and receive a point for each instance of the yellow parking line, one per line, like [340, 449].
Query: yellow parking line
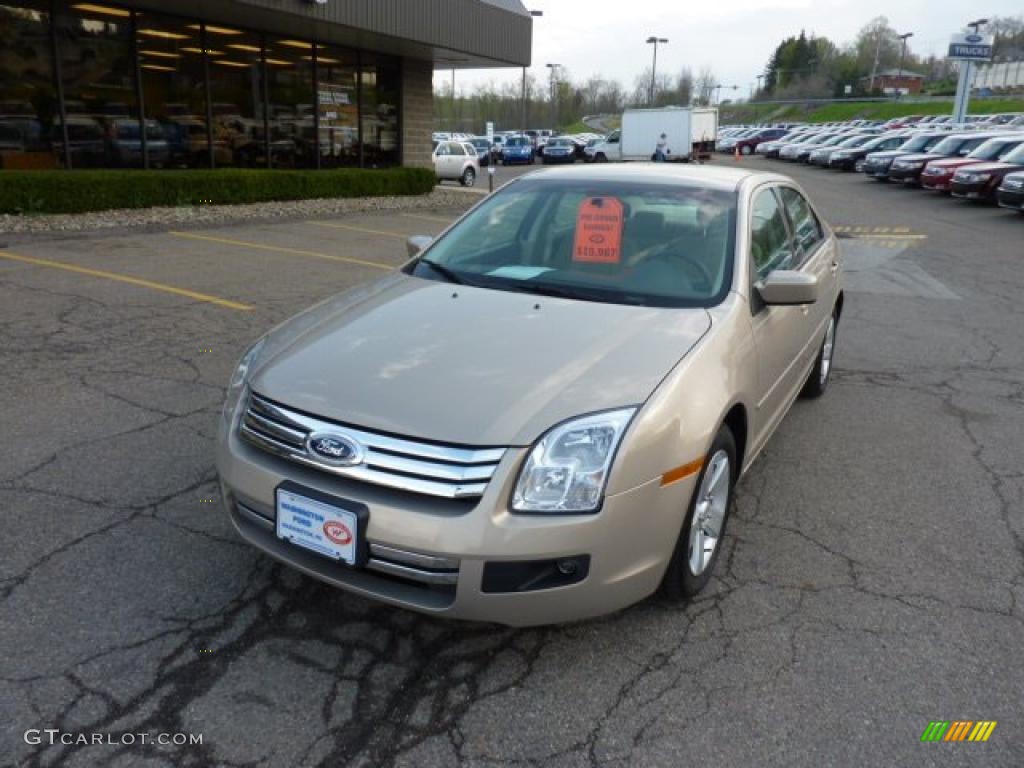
[127, 279]
[427, 218]
[357, 229]
[279, 249]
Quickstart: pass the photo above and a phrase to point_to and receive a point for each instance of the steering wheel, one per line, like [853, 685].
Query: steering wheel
[665, 252]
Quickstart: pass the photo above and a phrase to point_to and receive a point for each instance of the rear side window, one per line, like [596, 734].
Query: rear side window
[807, 232]
[456, 149]
[770, 245]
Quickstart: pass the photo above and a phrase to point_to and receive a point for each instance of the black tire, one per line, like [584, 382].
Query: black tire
[746, 149]
[680, 582]
[820, 375]
[600, 158]
[468, 178]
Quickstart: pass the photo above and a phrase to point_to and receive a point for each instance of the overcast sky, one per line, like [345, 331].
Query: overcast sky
[733, 37]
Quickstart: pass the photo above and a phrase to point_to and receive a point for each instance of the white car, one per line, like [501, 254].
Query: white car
[457, 160]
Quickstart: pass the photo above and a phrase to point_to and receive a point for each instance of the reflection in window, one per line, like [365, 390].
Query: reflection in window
[338, 104]
[174, 93]
[381, 86]
[98, 71]
[28, 103]
[290, 92]
[236, 92]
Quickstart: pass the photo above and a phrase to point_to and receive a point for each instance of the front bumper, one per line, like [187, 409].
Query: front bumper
[629, 542]
[905, 175]
[936, 183]
[975, 190]
[1012, 199]
[877, 171]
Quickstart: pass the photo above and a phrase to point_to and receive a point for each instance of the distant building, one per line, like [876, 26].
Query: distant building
[892, 81]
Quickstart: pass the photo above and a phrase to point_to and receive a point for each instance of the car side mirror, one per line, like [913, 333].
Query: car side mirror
[417, 243]
[788, 288]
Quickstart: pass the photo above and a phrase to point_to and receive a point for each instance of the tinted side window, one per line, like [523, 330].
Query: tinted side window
[807, 232]
[770, 246]
[456, 149]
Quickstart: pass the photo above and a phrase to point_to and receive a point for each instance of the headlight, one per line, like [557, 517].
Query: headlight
[239, 378]
[567, 469]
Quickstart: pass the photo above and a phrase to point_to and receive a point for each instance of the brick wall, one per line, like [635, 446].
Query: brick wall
[417, 112]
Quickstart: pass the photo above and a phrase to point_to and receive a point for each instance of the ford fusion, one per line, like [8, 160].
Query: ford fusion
[542, 416]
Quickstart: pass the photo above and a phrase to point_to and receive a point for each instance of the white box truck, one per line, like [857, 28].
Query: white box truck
[690, 134]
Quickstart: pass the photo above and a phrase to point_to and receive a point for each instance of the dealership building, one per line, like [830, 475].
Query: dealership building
[237, 83]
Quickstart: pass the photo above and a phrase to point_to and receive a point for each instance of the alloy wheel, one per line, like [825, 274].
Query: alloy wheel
[709, 513]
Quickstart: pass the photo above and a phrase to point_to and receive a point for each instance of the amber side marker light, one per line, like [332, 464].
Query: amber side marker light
[682, 472]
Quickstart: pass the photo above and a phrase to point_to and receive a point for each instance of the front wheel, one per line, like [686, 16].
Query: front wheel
[747, 149]
[821, 373]
[700, 540]
[600, 158]
[468, 178]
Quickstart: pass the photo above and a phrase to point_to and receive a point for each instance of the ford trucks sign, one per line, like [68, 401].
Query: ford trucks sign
[971, 46]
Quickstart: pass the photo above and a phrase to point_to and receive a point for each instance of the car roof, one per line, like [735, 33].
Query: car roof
[715, 177]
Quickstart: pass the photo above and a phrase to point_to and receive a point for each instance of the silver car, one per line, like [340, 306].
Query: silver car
[458, 161]
[543, 414]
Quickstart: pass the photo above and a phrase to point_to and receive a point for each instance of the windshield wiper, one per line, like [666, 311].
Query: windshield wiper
[442, 270]
[580, 294]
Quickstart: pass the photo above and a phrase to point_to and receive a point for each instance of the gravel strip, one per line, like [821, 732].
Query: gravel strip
[214, 215]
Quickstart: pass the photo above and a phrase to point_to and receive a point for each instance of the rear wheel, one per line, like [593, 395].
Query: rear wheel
[746, 149]
[700, 540]
[468, 178]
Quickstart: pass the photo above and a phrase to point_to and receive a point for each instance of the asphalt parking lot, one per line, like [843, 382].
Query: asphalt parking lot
[873, 579]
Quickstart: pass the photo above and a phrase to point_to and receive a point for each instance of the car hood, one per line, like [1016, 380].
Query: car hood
[467, 365]
[954, 162]
[992, 167]
[922, 157]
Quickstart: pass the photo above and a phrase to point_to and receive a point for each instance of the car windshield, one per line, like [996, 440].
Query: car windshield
[560, 143]
[994, 149]
[517, 141]
[919, 142]
[1014, 156]
[644, 244]
[949, 146]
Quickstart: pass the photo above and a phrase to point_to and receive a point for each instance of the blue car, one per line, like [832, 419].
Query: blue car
[517, 149]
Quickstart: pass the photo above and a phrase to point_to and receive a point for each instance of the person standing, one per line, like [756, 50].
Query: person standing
[661, 151]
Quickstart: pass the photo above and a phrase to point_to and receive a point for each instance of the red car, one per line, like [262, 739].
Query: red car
[938, 174]
[981, 180]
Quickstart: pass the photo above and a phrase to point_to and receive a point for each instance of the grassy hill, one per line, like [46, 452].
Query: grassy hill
[852, 110]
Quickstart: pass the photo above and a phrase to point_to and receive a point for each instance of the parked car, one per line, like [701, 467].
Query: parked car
[823, 154]
[457, 160]
[1011, 192]
[559, 150]
[483, 149]
[938, 174]
[981, 181]
[517, 149]
[877, 164]
[801, 151]
[908, 168]
[588, 149]
[852, 158]
[747, 145]
[441, 478]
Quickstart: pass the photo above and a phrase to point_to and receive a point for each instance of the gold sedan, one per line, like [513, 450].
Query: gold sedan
[541, 417]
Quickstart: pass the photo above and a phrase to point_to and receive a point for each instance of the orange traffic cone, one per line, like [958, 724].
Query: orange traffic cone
[736, 155]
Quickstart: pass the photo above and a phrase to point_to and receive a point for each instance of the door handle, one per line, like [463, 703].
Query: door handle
[834, 268]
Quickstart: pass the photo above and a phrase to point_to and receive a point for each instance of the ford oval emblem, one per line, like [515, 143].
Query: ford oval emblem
[973, 38]
[335, 449]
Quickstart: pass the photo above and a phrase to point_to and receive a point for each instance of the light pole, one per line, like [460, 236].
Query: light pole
[963, 88]
[653, 40]
[903, 58]
[554, 97]
[536, 15]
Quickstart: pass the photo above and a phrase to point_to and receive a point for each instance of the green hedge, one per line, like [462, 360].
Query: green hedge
[99, 190]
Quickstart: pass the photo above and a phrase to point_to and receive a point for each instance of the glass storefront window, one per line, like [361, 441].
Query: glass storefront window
[236, 92]
[381, 88]
[28, 102]
[337, 100]
[210, 94]
[98, 72]
[174, 92]
[290, 98]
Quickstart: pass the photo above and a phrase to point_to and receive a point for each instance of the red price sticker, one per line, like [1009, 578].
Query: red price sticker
[599, 231]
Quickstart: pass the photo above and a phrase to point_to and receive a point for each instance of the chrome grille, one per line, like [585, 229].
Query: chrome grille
[431, 469]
